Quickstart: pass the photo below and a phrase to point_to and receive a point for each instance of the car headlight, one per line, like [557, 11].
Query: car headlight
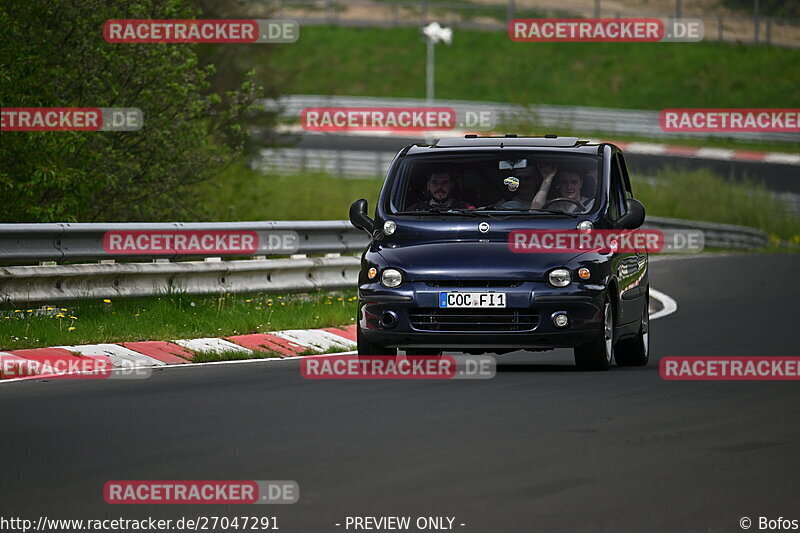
[560, 277]
[391, 278]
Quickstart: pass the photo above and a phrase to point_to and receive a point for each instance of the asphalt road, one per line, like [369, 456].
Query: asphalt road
[541, 447]
[776, 177]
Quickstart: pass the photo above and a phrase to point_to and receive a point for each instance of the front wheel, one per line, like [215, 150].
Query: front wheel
[366, 348]
[636, 352]
[597, 354]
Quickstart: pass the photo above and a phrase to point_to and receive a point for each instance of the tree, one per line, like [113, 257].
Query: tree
[53, 54]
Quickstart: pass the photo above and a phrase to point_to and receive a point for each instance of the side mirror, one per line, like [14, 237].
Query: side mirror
[634, 218]
[359, 217]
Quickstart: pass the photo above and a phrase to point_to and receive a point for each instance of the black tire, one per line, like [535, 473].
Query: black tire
[598, 353]
[636, 351]
[366, 348]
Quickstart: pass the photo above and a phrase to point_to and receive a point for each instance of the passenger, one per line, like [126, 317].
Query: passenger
[439, 188]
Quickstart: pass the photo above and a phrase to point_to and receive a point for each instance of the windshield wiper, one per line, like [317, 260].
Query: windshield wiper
[554, 212]
[468, 212]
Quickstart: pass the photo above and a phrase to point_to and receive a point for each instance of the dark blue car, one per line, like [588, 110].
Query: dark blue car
[440, 272]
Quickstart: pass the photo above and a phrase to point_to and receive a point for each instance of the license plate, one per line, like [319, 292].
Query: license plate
[472, 299]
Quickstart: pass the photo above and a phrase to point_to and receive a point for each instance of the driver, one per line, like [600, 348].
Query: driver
[568, 185]
[440, 187]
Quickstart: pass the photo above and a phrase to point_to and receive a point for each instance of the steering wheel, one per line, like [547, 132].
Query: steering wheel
[562, 199]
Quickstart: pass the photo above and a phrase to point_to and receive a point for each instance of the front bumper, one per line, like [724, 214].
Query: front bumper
[525, 323]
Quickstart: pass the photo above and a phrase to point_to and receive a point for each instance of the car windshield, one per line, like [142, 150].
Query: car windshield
[514, 182]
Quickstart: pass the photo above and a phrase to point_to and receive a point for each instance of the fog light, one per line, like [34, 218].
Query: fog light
[388, 319]
[560, 320]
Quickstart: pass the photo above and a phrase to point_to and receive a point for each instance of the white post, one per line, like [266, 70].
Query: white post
[430, 79]
[433, 34]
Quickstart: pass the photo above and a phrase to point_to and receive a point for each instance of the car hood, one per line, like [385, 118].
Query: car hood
[465, 260]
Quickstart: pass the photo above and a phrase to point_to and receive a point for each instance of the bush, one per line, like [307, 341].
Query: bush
[54, 55]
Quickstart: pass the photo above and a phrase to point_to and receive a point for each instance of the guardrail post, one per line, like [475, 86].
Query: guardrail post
[756, 20]
[339, 164]
[510, 11]
[719, 27]
[597, 9]
[769, 31]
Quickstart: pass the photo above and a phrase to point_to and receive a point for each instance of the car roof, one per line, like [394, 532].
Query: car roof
[484, 144]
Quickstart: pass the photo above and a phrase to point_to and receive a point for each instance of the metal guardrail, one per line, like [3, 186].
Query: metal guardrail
[340, 163]
[75, 242]
[66, 242]
[715, 235]
[587, 119]
[68, 282]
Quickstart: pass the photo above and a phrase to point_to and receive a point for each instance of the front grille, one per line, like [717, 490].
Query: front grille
[474, 283]
[477, 320]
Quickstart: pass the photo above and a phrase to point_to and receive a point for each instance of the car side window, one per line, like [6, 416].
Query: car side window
[626, 180]
[618, 186]
[613, 196]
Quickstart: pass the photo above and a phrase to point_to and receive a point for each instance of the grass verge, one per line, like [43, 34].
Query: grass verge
[171, 317]
[702, 195]
[482, 65]
[307, 196]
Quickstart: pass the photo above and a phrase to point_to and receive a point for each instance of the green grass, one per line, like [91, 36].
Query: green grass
[169, 317]
[233, 355]
[469, 10]
[702, 195]
[244, 194]
[483, 65]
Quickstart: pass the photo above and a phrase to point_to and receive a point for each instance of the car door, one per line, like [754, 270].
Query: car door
[629, 265]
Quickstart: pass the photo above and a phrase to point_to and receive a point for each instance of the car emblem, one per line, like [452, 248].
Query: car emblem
[483, 227]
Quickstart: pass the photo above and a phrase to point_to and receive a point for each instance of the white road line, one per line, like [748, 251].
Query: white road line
[670, 305]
